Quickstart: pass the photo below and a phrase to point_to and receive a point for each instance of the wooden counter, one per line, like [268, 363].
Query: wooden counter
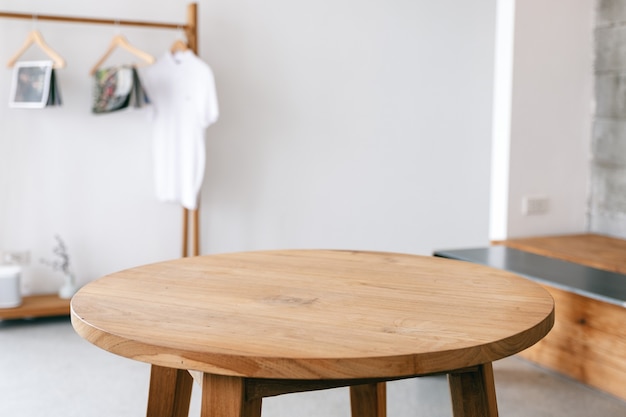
[585, 276]
[597, 251]
[48, 305]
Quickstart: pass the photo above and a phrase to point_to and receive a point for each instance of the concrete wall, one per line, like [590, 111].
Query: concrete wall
[608, 185]
[344, 124]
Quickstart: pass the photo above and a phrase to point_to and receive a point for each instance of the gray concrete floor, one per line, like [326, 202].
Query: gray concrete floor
[46, 370]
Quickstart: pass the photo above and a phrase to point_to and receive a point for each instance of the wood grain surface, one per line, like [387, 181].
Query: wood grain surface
[313, 314]
[587, 343]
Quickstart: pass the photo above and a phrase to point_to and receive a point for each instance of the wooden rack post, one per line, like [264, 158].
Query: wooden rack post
[191, 32]
[192, 43]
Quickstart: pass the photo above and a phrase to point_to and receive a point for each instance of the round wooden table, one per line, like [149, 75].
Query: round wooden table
[257, 324]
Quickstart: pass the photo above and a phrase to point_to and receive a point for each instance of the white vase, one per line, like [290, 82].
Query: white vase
[69, 287]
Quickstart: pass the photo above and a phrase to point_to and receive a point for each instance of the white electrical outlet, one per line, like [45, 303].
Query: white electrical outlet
[532, 205]
[15, 257]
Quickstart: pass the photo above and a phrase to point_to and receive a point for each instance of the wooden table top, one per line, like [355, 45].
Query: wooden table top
[313, 314]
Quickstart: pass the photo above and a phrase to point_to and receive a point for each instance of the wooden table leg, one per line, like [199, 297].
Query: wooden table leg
[170, 392]
[473, 392]
[369, 400]
[224, 396]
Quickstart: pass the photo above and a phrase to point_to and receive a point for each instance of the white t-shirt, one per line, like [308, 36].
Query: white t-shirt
[181, 88]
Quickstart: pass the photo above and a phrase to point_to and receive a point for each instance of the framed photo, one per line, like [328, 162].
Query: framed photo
[31, 84]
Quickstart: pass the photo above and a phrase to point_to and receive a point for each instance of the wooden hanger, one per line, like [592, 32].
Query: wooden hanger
[179, 46]
[120, 41]
[34, 37]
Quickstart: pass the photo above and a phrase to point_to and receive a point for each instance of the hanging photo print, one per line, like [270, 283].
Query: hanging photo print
[34, 85]
[117, 88]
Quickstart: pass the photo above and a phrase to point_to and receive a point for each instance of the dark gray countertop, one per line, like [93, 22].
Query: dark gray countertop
[594, 283]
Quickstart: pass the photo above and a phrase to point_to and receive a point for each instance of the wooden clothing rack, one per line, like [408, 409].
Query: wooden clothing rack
[191, 32]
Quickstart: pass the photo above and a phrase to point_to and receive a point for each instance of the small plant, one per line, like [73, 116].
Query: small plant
[62, 264]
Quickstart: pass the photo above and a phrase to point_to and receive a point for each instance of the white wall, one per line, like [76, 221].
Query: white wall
[551, 107]
[501, 120]
[344, 124]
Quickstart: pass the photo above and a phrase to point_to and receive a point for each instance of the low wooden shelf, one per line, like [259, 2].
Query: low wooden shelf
[48, 305]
